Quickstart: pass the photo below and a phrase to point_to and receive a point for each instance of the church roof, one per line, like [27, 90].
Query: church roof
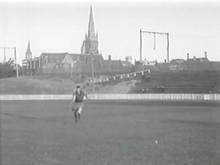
[86, 55]
[54, 57]
[85, 62]
[54, 54]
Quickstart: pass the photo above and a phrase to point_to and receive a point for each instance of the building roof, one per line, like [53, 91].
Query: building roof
[54, 57]
[177, 61]
[85, 62]
[126, 63]
[113, 63]
[201, 59]
[53, 54]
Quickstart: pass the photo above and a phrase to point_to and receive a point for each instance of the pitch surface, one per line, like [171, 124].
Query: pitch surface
[122, 133]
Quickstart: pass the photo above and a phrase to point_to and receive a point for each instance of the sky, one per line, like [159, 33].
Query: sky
[60, 26]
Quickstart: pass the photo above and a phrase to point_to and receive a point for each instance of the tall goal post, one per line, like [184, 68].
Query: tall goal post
[13, 49]
[155, 33]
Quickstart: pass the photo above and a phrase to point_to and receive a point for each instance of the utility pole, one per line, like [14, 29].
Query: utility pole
[16, 62]
[140, 45]
[4, 55]
[168, 48]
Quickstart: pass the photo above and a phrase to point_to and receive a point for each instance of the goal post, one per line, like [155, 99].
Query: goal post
[154, 35]
[10, 56]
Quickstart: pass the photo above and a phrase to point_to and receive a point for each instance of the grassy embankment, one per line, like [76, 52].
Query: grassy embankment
[55, 85]
[180, 82]
[36, 85]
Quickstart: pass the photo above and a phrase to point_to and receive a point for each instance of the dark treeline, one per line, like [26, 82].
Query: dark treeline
[7, 70]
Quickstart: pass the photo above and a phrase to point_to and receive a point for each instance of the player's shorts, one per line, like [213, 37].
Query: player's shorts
[77, 106]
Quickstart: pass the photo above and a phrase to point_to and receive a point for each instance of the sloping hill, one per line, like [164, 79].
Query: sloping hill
[179, 82]
[36, 85]
[56, 85]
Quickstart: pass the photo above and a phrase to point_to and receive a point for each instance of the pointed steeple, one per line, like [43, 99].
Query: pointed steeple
[90, 44]
[91, 27]
[28, 53]
[29, 47]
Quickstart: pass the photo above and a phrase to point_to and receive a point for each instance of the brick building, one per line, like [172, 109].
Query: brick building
[75, 63]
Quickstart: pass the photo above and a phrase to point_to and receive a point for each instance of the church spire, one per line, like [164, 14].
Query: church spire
[91, 27]
[29, 47]
[28, 54]
[90, 44]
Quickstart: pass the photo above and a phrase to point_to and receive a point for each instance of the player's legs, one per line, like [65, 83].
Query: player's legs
[77, 111]
[76, 115]
[80, 110]
[75, 108]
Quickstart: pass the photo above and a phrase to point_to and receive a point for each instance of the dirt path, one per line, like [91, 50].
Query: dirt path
[121, 87]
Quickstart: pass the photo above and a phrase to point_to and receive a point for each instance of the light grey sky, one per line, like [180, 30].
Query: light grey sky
[61, 27]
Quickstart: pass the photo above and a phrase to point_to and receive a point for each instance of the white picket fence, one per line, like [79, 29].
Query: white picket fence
[171, 97]
[147, 97]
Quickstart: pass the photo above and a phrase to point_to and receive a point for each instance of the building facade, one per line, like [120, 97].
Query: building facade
[75, 63]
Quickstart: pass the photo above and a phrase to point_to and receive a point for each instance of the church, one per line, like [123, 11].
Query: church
[81, 63]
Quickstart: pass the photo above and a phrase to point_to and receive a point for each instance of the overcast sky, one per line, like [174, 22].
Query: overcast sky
[61, 26]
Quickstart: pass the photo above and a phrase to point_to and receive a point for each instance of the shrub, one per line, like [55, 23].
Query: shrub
[7, 70]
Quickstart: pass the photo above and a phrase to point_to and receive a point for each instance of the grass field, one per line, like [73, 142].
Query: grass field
[109, 133]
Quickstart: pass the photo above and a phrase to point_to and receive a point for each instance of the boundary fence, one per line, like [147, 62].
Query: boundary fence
[142, 97]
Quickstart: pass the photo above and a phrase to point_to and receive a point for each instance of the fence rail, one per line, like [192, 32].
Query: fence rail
[146, 97]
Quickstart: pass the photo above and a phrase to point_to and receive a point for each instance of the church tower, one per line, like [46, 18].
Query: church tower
[90, 44]
[28, 54]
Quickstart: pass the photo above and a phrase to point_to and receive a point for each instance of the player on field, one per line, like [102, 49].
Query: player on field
[77, 102]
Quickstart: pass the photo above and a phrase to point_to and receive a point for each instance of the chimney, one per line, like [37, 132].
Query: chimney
[126, 58]
[205, 53]
[109, 57]
[187, 56]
